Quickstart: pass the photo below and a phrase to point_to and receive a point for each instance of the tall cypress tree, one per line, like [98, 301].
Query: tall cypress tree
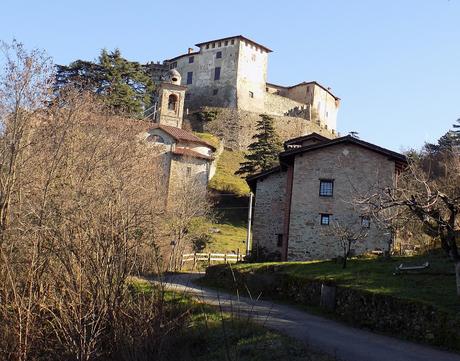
[263, 153]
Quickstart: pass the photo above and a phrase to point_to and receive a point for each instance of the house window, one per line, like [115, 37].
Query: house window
[172, 102]
[219, 55]
[189, 77]
[326, 187]
[207, 46]
[217, 73]
[173, 65]
[189, 172]
[191, 59]
[253, 57]
[325, 219]
[251, 94]
[219, 44]
[279, 240]
[366, 222]
[226, 42]
[215, 91]
[232, 41]
[213, 45]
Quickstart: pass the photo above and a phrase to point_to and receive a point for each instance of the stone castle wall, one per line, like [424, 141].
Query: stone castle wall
[237, 127]
[282, 106]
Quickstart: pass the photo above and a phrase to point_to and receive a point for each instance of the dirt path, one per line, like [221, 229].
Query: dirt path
[347, 343]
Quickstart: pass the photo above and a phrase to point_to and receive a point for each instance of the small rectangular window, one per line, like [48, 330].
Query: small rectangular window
[217, 73]
[215, 91]
[219, 44]
[190, 77]
[251, 94]
[326, 187]
[308, 89]
[366, 222]
[173, 65]
[213, 45]
[232, 41]
[219, 55]
[191, 59]
[207, 46]
[279, 240]
[226, 42]
[325, 219]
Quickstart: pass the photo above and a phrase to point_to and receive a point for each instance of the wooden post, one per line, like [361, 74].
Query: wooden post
[225, 258]
[194, 260]
[248, 233]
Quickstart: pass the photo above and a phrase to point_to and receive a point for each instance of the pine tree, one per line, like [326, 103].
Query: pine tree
[263, 153]
[126, 86]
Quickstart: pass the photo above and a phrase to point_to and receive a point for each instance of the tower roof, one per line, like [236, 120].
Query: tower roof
[241, 37]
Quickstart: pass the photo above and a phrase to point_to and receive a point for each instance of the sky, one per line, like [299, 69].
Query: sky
[395, 64]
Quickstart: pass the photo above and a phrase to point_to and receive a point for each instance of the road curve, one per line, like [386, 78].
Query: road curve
[344, 342]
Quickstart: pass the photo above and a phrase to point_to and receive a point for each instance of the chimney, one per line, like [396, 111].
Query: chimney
[190, 50]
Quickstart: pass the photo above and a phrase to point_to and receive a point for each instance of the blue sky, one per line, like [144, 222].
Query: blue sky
[395, 64]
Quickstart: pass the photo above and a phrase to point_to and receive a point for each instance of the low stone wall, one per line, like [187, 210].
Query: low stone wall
[237, 127]
[412, 320]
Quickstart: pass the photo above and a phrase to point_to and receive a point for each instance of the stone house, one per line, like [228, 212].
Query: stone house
[185, 158]
[231, 73]
[313, 189]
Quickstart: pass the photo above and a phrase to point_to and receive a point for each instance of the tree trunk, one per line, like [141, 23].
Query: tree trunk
[457, 276]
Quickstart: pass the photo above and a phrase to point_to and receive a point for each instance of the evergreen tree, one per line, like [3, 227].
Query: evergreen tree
[263, 153]
[126, 86]
[447, 142]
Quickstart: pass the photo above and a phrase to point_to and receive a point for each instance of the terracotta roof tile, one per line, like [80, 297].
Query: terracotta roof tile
[190, 153]
[182, 135]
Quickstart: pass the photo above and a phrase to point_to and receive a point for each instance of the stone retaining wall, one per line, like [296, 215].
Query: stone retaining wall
[408, 319]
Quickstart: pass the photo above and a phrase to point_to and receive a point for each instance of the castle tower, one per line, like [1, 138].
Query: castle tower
[171, 97]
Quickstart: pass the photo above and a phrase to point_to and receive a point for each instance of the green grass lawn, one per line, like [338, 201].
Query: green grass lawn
[209, 335]
[225, 179]
[229, 239]
[435, 285]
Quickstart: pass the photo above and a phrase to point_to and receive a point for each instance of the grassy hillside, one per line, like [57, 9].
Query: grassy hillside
[228, 232]
[225, 179]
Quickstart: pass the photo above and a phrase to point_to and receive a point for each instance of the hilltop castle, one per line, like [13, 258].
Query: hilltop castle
[228, 76]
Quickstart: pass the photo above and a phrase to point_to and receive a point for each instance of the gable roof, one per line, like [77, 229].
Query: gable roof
[182, 135]
[288, 155]
[190, 153]
[241, 37]
[252, 179]
[303, 138]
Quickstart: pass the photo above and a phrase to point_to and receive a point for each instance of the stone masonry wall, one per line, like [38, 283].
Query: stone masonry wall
[354, 170]
[269, 212]
[279, 105]
[236, 127]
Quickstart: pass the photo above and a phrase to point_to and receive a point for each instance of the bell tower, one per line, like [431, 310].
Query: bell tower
[171, 95]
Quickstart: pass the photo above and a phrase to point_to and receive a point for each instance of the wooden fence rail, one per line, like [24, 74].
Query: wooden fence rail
[211, 257]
